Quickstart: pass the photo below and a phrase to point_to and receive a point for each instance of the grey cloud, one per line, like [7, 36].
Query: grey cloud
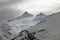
[10, 2]
[8, 13]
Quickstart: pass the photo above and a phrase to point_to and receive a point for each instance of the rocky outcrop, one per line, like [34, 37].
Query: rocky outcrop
[26, 35]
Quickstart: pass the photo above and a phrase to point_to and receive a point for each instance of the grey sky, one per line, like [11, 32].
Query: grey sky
[37, 6]
[6, 12]
[13, 8]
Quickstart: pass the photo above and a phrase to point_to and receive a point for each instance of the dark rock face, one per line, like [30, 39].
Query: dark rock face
[26, 35]
[26, 14]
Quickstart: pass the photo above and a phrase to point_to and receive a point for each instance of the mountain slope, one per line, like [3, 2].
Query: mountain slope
[48, 30]
[12, 27]
[52, 25]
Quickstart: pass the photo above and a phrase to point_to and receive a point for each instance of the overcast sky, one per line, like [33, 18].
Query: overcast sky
[37, 6]
[13, 8]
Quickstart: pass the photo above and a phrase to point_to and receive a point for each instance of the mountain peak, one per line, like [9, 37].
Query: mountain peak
[25, 15]
[40, 14]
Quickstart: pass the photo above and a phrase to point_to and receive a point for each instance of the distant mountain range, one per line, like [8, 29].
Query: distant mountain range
[13, 26]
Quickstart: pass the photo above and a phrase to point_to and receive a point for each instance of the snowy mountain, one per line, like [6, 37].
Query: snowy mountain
[12, 27]
[39, 17]
[25, 15]
[49, 30]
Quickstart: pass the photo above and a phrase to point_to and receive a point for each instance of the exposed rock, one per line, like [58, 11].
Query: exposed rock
[26, 35]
